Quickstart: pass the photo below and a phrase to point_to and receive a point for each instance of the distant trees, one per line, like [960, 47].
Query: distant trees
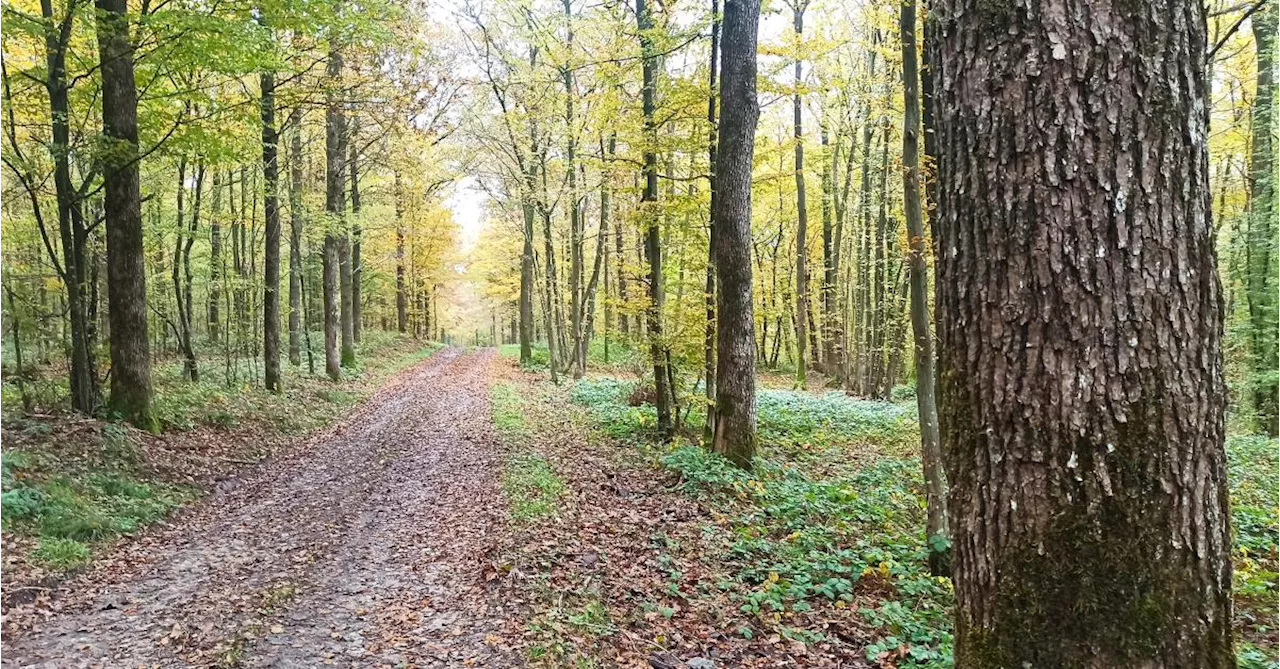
[1081, 391]
[153, 132]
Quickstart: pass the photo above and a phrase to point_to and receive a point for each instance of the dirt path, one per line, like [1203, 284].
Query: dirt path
[367, 547]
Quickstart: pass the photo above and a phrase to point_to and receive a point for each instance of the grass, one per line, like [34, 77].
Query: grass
[72, 508]
[832, 516]
[507, 415]
[532, 488]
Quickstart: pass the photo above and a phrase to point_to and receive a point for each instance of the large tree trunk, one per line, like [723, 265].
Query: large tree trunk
[735, 432]
[295, 236]
[648, 205]
[271, 256]
[1081, 393]
[126, 268]
[936, 531]
[802, 211]
[335, 203]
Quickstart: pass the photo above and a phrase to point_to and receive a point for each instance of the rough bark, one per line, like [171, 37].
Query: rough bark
[735, 432]
[126, 267]
[1081, 392]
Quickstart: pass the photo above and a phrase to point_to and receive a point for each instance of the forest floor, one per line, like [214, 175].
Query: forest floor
[364, 548]
[471, 513]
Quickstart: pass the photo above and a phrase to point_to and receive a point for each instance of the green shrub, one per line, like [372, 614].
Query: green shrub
[61, 554]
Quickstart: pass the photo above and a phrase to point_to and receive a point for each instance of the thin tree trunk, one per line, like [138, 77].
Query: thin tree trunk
[935, 481]
[802, 210]
[709, 291]
[1260, 277]
[402, 298]
[296, 224]
[648, 204]
[271, 255]
[71, 228]
[357, 233]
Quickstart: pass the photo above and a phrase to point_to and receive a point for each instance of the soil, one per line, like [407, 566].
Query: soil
[367, 547]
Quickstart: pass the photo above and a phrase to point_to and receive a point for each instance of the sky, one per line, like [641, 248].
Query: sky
[467, 202]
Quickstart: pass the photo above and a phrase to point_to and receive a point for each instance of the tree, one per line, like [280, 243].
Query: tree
[271, 256]
[802, 212]
[335, 201]
[935, 481]
[296, 224]
[735, 431]
[652, 233]
[1081, 392]
[126, 270]
[709, 332]
[1261, 259]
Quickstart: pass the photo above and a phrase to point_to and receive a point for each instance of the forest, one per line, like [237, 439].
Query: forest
[650, 333]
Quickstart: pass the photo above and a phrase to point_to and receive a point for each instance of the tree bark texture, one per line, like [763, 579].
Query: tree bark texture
[1081, 392]
[735, 429]
[126, 267]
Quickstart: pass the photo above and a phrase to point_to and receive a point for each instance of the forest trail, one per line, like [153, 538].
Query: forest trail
[364, 547]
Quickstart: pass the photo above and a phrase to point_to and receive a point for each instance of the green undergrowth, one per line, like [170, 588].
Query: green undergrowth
[71, 508]
[833, 514]
[850, 537]
[73, 484]
[307, 402]
[1252, 463]
[619, 355]
[531, 486]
